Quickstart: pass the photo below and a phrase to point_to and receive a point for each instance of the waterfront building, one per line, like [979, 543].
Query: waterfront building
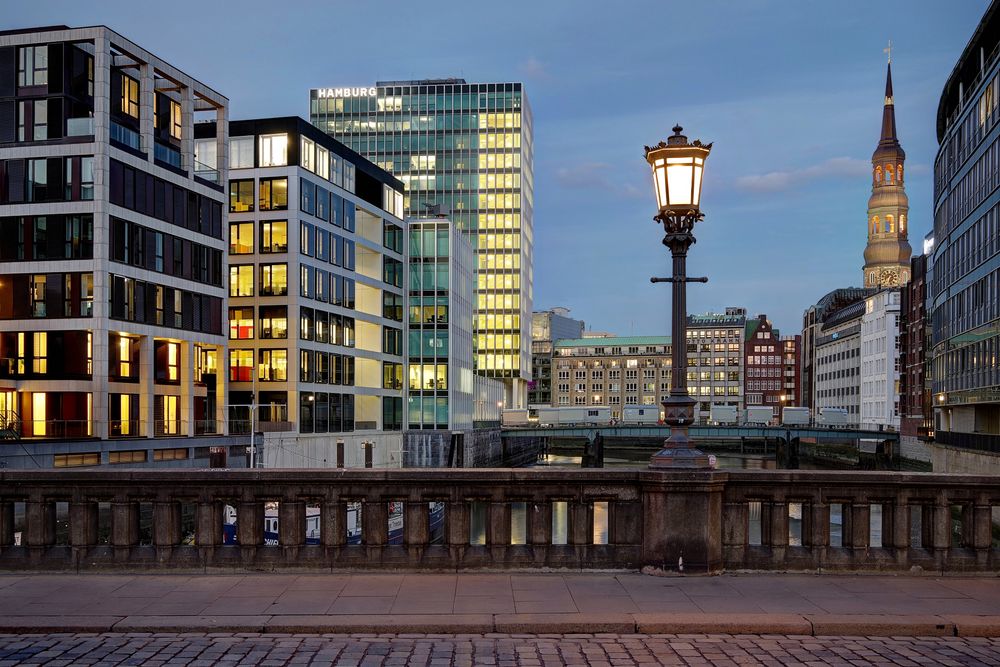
[791, 368]
[813, 321]
[887, 255]
[763, 361]
[548, 326]
[964, 283]
[465, 148]
[620, 371]
[915, 408]
[838, 362]
[112, 292]
[317, 248]
[880, 361]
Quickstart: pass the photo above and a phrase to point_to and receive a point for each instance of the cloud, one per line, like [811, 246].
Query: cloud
[532, 68]
[594, 175]
[774, 181]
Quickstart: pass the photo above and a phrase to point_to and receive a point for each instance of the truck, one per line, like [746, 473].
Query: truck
[832, 417]
[758, 414]
[641, 414]
[514, 418]
[723, 414]
[794, 416]
[568, 416]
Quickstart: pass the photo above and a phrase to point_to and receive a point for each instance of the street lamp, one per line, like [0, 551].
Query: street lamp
[677, 177]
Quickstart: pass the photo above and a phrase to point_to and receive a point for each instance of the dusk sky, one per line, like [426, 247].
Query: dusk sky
[790, 92]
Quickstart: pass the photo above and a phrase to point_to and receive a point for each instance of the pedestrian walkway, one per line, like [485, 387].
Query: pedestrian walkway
[511, 603]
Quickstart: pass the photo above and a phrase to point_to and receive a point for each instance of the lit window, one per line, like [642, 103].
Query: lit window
[241, 280]
[308, 154]
[173, 362]
[274, 236]
[274, 279]
[240, 196]
[273, 150]
[40, 354]
[130, 96]
[273, 194]
[241, 323]
[175, 120]
[241, 153]
[241, 238]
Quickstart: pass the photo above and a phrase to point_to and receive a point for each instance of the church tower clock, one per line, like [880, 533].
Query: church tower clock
[887, 255]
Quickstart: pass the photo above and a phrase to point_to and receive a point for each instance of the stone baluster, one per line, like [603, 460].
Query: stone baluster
[982, 531]
[83, 523]
[942, 531]
[166, 523]
[40, 520]
[498, 529]
[6, 523]
[860, 529]
[457, 529]
[416, 524]
[250, 524]
[819, 531]
[900, 529]
[333, 524]
[735, 533]
[375, 525]
[292, 523]
[208, 523]
[124, 526]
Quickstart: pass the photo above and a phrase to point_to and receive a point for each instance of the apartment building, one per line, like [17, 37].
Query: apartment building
[112, 291]
[880, 360]
[316, 295]
[838, 362]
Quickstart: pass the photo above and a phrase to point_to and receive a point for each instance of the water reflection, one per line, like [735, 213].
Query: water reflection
[725, 461]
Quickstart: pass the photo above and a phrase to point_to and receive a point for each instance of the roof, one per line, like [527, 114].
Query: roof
[845, 314]
[614, 341]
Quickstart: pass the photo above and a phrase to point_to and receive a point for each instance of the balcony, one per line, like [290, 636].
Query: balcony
[126, 137]
[167, 156]
[79, 127]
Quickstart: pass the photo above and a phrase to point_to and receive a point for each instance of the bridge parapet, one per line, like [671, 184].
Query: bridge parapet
[499, 518]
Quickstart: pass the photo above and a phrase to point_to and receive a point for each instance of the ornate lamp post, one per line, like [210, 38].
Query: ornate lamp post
[677, 176]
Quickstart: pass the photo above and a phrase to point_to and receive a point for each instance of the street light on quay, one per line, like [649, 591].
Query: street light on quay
[678, 167]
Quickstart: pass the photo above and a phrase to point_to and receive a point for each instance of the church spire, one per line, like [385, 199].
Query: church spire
[888, 111]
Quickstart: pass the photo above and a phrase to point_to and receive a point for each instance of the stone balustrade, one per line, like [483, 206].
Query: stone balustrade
[497, 518]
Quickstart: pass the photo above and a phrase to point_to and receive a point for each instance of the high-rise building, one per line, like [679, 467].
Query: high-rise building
[964, 282]
[316, 300]
[880, 360]
[548, 326]
[467, 149]
[112, 260]
[887, 256]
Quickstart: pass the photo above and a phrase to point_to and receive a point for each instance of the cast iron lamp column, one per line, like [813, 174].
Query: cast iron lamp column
[677, 177]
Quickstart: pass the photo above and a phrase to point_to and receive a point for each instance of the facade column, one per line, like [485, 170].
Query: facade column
[187, 130]
[147, 386]
[186, 350]
[147, 102]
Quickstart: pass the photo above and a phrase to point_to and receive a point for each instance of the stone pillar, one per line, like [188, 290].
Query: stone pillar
[779, 531]
[819, 532]
[982, 535]
[208, 524]
[900, 540]
[456, 516]
[82, 524]
[333, 524]
[942, 531]
[498, 529]
[374, 523]
[416, 524]
[682, 520]
[734, 533]
[581, 518]
[166, 523]
[6, 523]
[124, 524]
[250, 524]
[860, 531]
[292, 523]
[40, 523]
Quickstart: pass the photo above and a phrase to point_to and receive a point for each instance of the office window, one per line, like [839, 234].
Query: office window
[274, 322]
[273, 194]
[241, 280]
[40, 355]
[240, 365]
[176, 123]
[307, 156]
[241, 238]
[322, 162]
[273, 366]
[273, 150]
[241, 153]
[273, 279]
[273, 236]
[241, 196]
[33, 65]
[130, 96]
[241, 323]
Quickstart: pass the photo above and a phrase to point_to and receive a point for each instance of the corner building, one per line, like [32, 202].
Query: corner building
[316, 300]
[466, 147]
[963, 281]
[111, 266]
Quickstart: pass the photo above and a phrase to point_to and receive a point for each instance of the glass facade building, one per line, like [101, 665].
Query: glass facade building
[466, 148]
[963, 282]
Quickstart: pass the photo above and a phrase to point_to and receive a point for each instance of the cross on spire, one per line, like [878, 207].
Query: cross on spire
[888, 51]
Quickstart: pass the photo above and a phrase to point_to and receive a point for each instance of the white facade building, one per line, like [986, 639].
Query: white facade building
[838, 362]
[880, 360]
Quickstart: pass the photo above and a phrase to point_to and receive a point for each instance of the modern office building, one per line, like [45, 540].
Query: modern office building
[838, 362]
[715, 359]
[964, 290]
[763, 365]
[887, 255]
[813, 321]
[880, 360]
[548, 326]
[441, 398]
[316, 295]
[466, 148]
[791, 367]
[111, 266]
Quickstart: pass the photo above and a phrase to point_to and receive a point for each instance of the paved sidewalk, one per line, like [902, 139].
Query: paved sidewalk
[511, 603]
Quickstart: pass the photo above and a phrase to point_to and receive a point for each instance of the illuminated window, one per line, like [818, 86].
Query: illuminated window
[273, 194]
[273, 366]
[40, 353]
[274, 322]
[127, 456]
[322, 162]
[130, 96]
[38, 413]
[175, 454]
[273, 279]
[241, 323]
[76, 460]
[240, 196]
[169, 422]
[240, 365]
[241, 153]
[173, 362]
[175, 120]
[273, 236]
[241, 238]
[273, 150]
[307, 154]
[241, 280]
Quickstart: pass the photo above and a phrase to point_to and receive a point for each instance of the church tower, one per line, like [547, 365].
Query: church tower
[887, 255]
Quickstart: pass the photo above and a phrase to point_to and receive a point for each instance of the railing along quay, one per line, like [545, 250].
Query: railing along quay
[498, 518]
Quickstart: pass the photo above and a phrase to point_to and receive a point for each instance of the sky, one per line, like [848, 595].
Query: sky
[789, 91]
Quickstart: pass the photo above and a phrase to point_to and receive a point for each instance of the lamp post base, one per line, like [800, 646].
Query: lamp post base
[677, 451]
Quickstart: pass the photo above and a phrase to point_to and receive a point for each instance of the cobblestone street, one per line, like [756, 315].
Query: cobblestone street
[502, 650]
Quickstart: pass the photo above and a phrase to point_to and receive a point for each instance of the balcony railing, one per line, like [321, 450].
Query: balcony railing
[125, 136]
[79, 127]
[503, 518]
[167, 155]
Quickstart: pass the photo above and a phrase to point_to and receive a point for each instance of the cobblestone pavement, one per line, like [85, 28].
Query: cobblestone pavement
[501, 650]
